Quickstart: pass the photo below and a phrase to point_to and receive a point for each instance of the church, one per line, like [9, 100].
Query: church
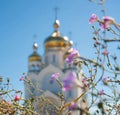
[49, 94]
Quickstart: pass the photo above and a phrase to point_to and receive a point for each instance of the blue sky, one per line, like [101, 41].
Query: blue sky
[21, 19]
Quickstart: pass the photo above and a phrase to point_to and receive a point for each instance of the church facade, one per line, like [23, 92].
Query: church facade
[40, 69]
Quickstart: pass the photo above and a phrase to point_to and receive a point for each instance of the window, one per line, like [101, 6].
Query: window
[32, 68]
[37, 68]
[46, 59]
[70, 93]
[54, 59]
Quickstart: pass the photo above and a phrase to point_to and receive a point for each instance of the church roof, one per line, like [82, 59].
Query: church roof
[56, 39]
[35, 56]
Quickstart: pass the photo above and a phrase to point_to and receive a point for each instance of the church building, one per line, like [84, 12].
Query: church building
[49, 93]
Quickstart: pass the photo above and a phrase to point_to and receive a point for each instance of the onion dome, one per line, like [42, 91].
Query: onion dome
[35, 56]
[56, 40]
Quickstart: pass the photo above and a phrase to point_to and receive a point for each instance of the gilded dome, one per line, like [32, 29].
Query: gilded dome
[56, 40]
[35, 56]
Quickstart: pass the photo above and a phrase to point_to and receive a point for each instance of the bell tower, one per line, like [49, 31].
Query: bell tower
[34, 68]
[34, 60]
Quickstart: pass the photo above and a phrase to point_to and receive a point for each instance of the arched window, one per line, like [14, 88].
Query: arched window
[54, 58]
[70, 93]
[46, 60]
[32, 68]
[38, 68]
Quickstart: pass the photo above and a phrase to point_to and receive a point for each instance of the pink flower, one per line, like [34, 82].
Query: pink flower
[105, 53]
[84, 81]
[55, 76]
[98, 42]
[101, 92]
[105, 80]
[74, 53]
[72, 106]
[107, 21]
[9, 103]
[17, 98]
[93, 18]
[22, 78]
[69, 82]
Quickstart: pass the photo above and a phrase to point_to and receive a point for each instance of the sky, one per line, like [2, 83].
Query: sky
[20, 20]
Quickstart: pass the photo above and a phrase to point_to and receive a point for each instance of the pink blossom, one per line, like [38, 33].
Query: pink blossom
[74, 53]
[105, 53]
[93, 18]
[9, 103]
[69, 82]
[55, 76]
[105, 80]
[17, 98]
[101, 92]
[22, 78]
[107, 21]
[98, 42]
[84, 81]
[72, 106]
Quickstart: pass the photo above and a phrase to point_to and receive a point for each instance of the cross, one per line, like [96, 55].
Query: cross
[34, 36]
[56, 12]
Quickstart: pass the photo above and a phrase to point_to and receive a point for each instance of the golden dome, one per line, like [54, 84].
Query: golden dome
[35, 56]
[56, 40]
